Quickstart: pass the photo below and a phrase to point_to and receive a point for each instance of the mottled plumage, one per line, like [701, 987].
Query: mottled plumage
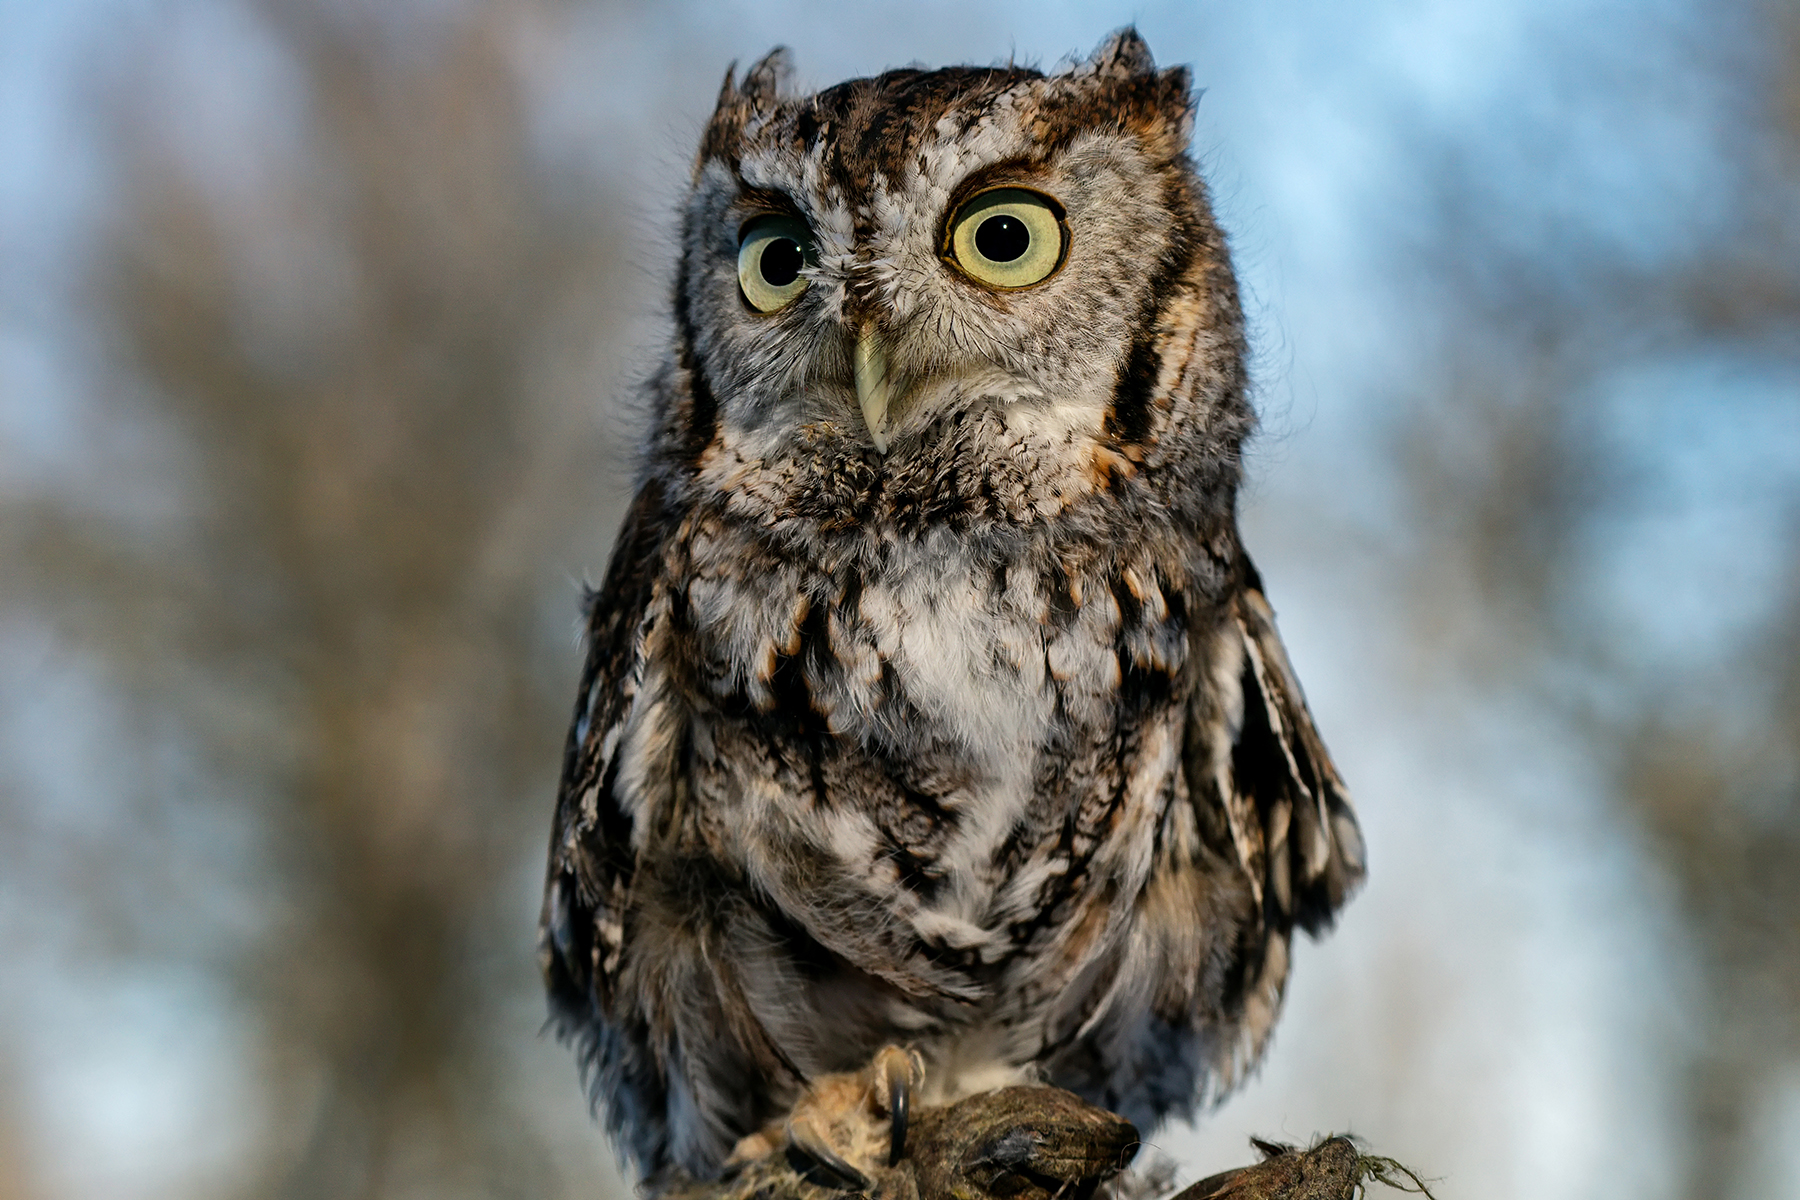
[940, 705]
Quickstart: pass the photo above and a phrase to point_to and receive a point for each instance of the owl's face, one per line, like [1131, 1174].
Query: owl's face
[861, 263]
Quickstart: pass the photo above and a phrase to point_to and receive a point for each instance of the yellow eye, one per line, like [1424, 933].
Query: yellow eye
[1009, 238]
[771, 252]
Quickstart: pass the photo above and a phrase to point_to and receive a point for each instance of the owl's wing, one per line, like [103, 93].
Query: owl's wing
[581, 932]
[1270, 799]
[1312, 845]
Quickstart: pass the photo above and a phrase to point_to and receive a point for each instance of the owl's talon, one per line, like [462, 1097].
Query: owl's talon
[898, 1067]
[897, 1122]
[833, 1133]
[803, 1136]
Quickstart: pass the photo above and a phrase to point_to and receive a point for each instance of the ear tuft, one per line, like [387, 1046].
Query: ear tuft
[1121, 56]
[728, 89]
[767, 82]
[1120, 83]
[763, 87]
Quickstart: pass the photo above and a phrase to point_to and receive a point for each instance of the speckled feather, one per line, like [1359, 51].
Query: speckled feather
[987, 743]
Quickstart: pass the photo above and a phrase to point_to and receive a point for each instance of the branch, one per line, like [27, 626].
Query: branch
[1042, 1143]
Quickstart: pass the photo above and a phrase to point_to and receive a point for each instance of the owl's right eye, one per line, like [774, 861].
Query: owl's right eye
[1008, 238]
[772, 252]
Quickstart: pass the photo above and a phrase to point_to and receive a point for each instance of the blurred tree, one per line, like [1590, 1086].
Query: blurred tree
[355, 434]
[1522, 487]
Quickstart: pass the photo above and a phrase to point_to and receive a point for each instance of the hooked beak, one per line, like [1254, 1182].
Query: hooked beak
[875, 388]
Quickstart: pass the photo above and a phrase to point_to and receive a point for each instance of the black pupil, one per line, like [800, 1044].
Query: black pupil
[1002, 238]
[781, 262]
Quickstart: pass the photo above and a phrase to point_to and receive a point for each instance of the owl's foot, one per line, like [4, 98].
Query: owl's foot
[840, 1105]
[838, 1121]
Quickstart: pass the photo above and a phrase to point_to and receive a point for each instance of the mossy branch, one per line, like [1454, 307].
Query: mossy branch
[1042, 1143]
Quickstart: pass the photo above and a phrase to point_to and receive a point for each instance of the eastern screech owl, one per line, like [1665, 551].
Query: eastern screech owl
[931, 700]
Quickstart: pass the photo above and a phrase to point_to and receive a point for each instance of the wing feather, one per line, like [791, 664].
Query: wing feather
[581, 932]
[1276, 809]
[1281, 762]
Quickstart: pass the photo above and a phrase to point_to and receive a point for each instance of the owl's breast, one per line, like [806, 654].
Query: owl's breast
[930, 739]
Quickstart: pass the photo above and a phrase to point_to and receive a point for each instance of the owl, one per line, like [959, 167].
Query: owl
[935, 734]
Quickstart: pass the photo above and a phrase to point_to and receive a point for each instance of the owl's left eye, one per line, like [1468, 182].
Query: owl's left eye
[1008, 238]
[772, 250]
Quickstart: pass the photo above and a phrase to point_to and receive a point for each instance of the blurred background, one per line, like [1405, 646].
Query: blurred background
[318, 327]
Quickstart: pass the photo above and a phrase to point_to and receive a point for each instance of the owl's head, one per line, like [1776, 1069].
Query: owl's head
[862, 265]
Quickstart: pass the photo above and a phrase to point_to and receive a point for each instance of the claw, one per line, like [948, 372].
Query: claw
[805, 1137]
[899, 1098]
[897, 1070]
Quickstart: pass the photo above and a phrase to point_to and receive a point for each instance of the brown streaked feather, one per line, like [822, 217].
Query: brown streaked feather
[1278, 808]
[1269, 810]
[1307, 797]
[581, 931]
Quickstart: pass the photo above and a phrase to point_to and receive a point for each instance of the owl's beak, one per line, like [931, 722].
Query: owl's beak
[875, 387]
